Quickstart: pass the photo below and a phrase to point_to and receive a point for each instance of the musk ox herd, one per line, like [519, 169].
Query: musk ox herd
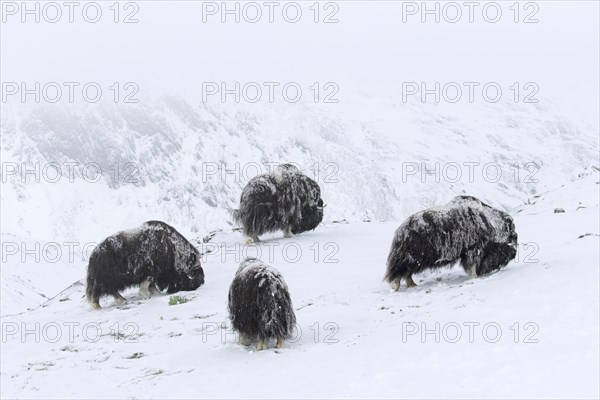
[155, 257]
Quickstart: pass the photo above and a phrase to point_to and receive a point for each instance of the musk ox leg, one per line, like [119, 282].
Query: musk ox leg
[287, 232]
[95, 303]
[145, 288]
[395, 284]
[119, 299]
[262, 345]
[153, 289]
[280, 343]
[409, 282]
[473, 271]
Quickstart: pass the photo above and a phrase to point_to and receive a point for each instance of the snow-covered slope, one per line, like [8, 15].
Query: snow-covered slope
[534, 324]
[185, 162]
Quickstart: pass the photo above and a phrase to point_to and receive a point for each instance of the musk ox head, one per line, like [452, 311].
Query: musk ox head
[503, 224]
[501, 238]
[504, 227]
[312, 208]
[509, 225]
[189, 274]
[503, 248]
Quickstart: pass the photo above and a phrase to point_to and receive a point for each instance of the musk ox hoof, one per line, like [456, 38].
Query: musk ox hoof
[120, 300]
[252, 239]
[244, 341]
[261, 346]
[280, 343]
[96, 305]
[395, 285]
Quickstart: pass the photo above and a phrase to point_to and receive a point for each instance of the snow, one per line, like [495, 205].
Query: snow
[365, 346]
[377, 158]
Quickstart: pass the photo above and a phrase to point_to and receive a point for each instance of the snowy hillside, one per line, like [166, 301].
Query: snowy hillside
[534, 324]
[185, 162]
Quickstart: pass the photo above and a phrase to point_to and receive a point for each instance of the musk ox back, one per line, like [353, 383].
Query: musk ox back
[482, 238]
[153, 255]
[260, 307]
[286, 200]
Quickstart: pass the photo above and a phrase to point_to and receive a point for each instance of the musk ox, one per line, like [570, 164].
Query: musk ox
[482, 238]
[152, 255]
[285, 200]
[260, 307]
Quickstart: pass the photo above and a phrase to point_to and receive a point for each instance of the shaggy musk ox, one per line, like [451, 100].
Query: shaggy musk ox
[260, 307]
[153, 255]
[482, 238]
[286, 200]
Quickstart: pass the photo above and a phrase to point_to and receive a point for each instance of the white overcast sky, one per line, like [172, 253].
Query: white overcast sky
[172, 48]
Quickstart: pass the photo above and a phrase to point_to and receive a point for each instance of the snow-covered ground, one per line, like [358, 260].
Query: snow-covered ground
[529, 330]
